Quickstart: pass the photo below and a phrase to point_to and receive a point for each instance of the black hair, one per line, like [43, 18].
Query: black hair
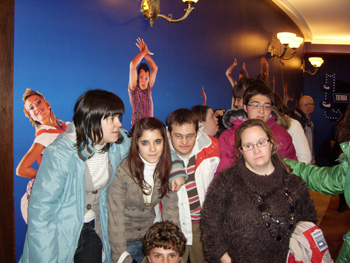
[240, 87]
[143, 66]
[258, 89]
[90, 108]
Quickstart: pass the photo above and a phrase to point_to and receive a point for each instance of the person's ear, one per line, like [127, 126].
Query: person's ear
[149, 259]
[245, 107]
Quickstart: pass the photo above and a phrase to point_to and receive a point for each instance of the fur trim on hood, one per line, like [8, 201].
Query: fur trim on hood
[232, 115]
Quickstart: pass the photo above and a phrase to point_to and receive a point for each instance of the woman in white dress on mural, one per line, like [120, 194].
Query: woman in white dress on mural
[47, 128]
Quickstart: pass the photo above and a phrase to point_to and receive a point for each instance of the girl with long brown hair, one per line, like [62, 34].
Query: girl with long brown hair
[141, 182]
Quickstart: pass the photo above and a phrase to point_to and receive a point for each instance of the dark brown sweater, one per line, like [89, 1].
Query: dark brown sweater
[231, 221]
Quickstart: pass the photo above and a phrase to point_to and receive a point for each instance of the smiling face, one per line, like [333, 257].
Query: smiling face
[259, 113]
[143, 79]
[110, 128]
[183, 138]
[211, 126]
[258, 160]
[38, 109]
[161, 255]
[151, 145]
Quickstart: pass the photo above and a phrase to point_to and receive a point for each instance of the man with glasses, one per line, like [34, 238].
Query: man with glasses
[306, 106]
[199, 153]
[257, 104]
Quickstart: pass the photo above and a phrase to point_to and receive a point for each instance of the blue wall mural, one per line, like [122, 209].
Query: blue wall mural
[332, 78]
[63, 48]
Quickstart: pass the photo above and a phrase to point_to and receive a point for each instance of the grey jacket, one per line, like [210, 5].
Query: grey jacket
[129, 218]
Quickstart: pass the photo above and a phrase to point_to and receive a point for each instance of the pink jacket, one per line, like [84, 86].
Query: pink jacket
[227, 140]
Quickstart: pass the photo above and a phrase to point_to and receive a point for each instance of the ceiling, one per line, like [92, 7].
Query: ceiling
[321, 21]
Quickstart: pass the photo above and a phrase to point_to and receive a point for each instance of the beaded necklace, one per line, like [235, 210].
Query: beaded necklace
[269, 219]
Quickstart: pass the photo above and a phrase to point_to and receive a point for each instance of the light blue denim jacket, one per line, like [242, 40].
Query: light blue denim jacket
[56, 207]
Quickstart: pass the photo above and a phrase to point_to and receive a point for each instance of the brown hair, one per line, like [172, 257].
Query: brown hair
[180, 117]
[28, 93]
[201, 111]
[259, 123]
[166, 235]
[282, 112]
[136, 165]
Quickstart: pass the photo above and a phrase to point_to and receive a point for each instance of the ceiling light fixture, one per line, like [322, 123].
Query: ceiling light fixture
[288, 40]
[150, 10]
[316, 62]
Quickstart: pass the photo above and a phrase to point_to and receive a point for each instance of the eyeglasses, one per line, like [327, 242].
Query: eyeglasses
[261, 143]
[257, 106]
[179, 137]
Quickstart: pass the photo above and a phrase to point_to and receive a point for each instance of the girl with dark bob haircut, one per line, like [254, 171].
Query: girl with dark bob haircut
[67, 214]
[140, 184]
[89, 109]
[252, 217]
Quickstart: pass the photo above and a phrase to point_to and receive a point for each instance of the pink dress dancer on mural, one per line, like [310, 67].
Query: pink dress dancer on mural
[47, 128]
[141, 81]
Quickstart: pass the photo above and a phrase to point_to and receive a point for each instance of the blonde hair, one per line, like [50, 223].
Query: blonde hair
[28, 93]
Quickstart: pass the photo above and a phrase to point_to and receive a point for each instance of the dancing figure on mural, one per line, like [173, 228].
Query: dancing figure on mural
[264, 74]
[141, 81]
[243, 73]
[47, 128]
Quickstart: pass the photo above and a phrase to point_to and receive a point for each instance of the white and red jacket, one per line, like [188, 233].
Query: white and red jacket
[207, 154]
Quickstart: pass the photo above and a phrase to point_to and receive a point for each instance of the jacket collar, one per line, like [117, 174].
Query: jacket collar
[202, 141]
[88, 151]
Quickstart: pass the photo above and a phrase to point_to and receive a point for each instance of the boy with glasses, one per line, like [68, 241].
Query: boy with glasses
[258, 104]
[199, 153]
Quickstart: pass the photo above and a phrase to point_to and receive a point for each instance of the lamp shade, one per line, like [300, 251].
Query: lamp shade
[193, 1]
[296, 42]
[286, 38]
[316, 61]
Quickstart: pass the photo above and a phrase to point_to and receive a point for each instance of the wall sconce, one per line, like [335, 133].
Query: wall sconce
[286, 39]
[150, 10]
[316, 62]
